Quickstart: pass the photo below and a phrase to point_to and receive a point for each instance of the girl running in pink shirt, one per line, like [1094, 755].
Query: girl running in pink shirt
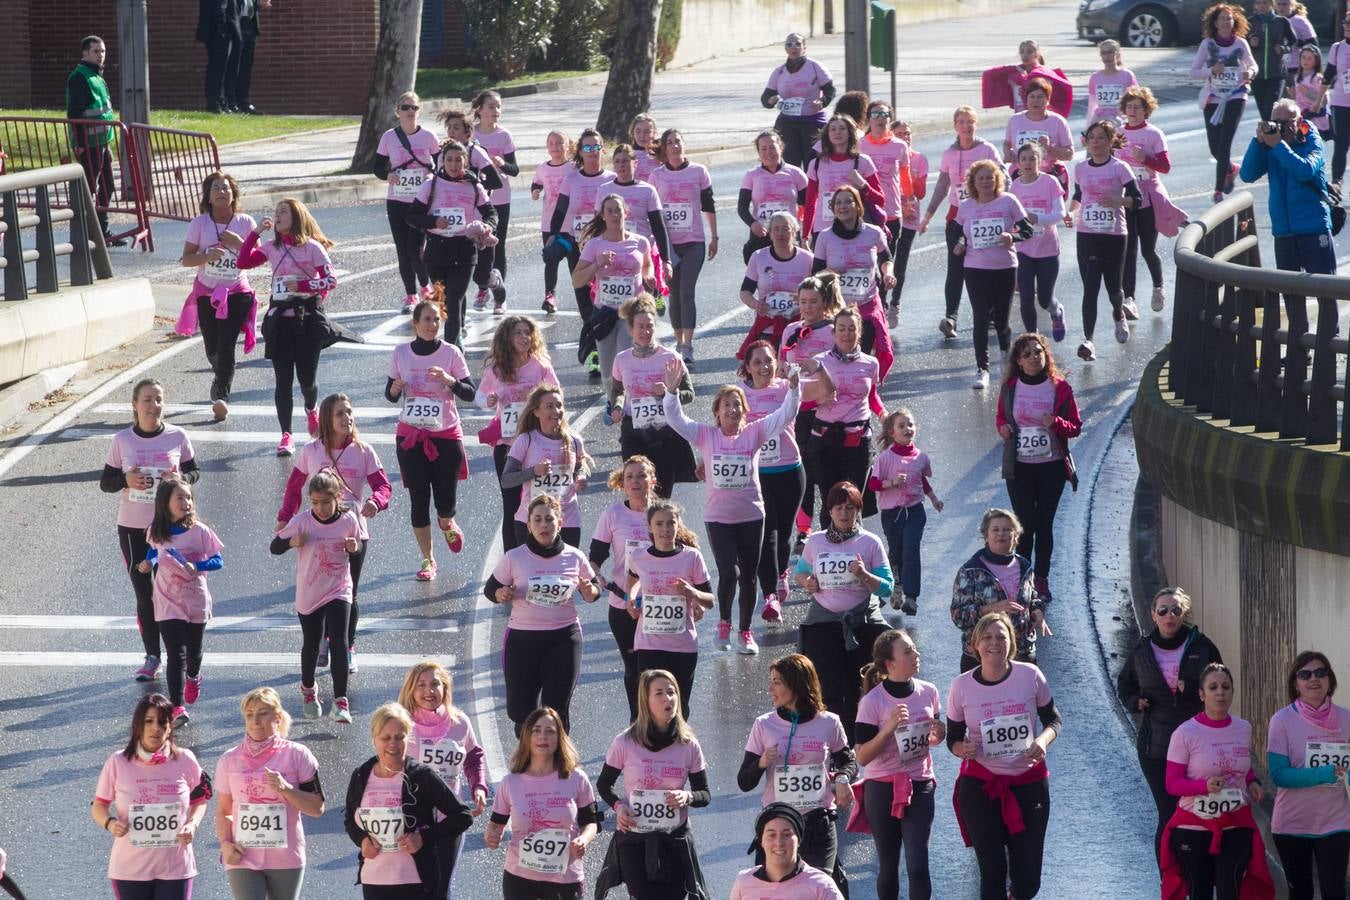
[686, 203]
[1106, 87]
[818, 301]
[578, 202]
[768, 189]
[548, 179]
[643, 134]
[459, 127]
[1145, 152]
[1042, 196]
[900, 478]
[547, 459]
[501, 148]
[644, 213]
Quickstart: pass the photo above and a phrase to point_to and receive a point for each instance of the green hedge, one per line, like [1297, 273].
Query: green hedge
[668, 31]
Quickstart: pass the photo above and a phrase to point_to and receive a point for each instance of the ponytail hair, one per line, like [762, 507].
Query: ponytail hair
[874, 672]
[682, 533]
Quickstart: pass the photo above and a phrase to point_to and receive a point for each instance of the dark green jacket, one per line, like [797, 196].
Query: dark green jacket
[87, 97]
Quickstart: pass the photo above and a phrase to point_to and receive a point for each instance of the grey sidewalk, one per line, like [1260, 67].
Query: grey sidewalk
[716, 102]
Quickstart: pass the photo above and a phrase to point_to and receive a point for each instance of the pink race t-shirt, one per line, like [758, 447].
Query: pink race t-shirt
[909, 752]
[498, 143]
[1001, 719]
[916, 468]
[808, 884]
[1045, 198]
[622, 280]
[918, 178]
[390, 866]
[443, 745]
[178, 593]
[804, 84]
[681, 192]
[1008, 575]
[354, 463]
[411, 168]
[1321, 809]
[439, 417]
[511, 395]
[830, 175]
[322, 565]
[984, 225]
[839, 590]
[205, 233]
[626, 532]
[534, 447]
[154, 800]
[667, 619]
[780, 451]
[644, 163]
[667, 769]
[456, 200]
[1142, 143]
[1339, 56]
[543, 588]
[154, 455]
[891, 158]
[1031, 404]
[957, 162]
[1205, 751]
[537, 803]
[287, 259]
[550, 178]
[583, 193]
[855, 259]
[1104, 92]
[802, 342]
[854, 385]
[1169, 662]
[243, 779]
[776, 280]
[773, 192]
[802, 774]
[639, 376]
[1022, 129]
[1096, 183]
[640, 199]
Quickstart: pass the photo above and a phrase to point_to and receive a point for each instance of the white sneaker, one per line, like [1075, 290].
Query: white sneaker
[1122, 330]
[981, 380]
[1129, 308]
[1086, 351]
[947, 326]
[1159, 299]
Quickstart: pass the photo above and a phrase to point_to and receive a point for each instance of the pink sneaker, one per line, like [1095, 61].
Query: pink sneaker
[428, 292]
[428, 570]
[287, 445]
[312, 421]
[180, 717]
[772, 612]
[409, 302]
[748, 645]
[454, 537]
[192, 689]
[784, 587]
[724, 635]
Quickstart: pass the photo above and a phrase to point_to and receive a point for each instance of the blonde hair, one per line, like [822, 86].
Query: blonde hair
[407, 95]
[384, 714]
[643, 726]
[1182, 598]
[988, 622]
[565, 758]
[728, 390]
[615, 480]
[405, 693]
[884, 439]
[268, 697]
[965, 111]
[982, 165]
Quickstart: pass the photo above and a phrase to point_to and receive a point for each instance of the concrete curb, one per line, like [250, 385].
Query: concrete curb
[15, 399]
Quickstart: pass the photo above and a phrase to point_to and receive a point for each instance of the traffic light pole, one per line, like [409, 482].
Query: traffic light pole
[856, 49]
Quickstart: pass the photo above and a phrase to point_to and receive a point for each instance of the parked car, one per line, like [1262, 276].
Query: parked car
[1161, 23]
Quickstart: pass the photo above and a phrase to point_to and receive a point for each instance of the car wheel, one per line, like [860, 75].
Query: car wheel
[1147, 27]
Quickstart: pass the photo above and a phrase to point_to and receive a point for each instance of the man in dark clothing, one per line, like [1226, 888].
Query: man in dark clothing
[240, 76]
[87, 97]
[218, 29]
[1270, 36]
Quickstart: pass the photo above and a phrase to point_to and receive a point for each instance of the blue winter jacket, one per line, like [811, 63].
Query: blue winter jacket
[1297, 184]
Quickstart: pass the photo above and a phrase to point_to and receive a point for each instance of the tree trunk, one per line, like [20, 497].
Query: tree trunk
[395, 72]
[629, 88]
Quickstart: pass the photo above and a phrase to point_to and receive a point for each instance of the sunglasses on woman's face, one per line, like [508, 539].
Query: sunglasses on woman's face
[408, 107]
[1309, 674]
[1169, 611]
[792, 45]
[590, 148]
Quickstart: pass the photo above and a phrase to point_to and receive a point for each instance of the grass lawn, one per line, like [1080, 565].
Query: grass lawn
[227, 129]
[435, 83]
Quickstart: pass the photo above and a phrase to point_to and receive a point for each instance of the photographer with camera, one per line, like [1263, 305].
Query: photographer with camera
[1289, 151]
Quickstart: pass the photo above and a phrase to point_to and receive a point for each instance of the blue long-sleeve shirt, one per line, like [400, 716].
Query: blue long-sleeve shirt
[1297, 183]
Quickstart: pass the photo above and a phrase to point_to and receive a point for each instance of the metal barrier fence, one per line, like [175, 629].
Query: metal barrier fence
[156, 172]
[88, 254]
[1240, 334]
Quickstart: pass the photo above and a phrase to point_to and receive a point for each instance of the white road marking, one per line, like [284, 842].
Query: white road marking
[211, 660]
[235, 437]
[369, 625]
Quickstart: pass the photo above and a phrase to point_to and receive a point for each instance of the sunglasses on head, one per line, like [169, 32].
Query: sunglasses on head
[1170, 611]
[1308, 674]
[1033, 350]
[408, 107]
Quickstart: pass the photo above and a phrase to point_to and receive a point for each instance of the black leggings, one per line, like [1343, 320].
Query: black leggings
[1036, 277]
[1265, 91]
[158, 889]
[1329, 853]
[752, 244]
[295, 355]
[1034, 491]
[783, 492]
[1101, 257]
[455, 280]
[836, 463]
[838, 666]
[1155, 773]
[516, 888]
[331, 618]
[550, 269]
[1340, 121]
[133, 546]
[903, 244]
[624, 628]
[447, 855]
[541, 669]
[991, 293]
[408, 243]
[1003, 856]
[890, 834]
[510, 498]
[806, 420]
[681, 665]
[1207, 875]
[397, 892]
[735, 547]
[1221, 138]
[798, 136]
[1141, 238]
[220, 338]
[425, 479]
[956, 270]
[355, 562]
[182, 647]
[499, 251]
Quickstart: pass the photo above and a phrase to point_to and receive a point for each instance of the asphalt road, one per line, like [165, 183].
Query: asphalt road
[68, 644]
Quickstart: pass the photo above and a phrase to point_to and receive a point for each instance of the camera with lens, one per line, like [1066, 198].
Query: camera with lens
[1270, 127]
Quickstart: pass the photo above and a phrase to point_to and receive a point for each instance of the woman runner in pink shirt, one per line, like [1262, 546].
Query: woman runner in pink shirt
[779, 832]
[644, 211]
[687, 203]
[578, 202]
[405, 157]
[642, 133]
[1038, 125]
[1042, 196]
[1145, 152]
[497, 141]
[548, 179]
[264, 785]
[771, 279]
[479, 163]
[802, 90]
[909, 207]
[997, 579]
[890, 154]
[1106, 87]
[547, 459]
[768, 189]
[818, 302]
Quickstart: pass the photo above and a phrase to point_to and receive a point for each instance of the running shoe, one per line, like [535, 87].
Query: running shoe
[1042, 588]
[800, 544]
[1231, 179]
[180, 717]
[748, 646]
[687, 354]
[322, 661]
[149, 669]
[427, 292]
[1057, 330]
[550, 305]
[409, 302]
[220, 409]
[909, 606]
[784, 589]
[1086, 351]
[287, 445]
[428, 570]
[313, 708]
[454, 537]
[351, 660]
[497, 285]
[480, 300]
[192, 689]
[981, 380]
[312, 422]
[498, 309]
[1159, 299]
[1122, 330]
[341, 712]
[593, 363]
[948, 327]
[772, 611]
[1130, 308]
[1218, 195]
[724, 635]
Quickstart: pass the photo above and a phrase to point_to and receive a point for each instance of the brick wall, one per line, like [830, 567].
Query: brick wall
[311, 59]
[15, 81]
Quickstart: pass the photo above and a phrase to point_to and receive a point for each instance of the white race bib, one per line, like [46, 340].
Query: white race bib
[555, 484]
[1098, 218]
[791, 106]
[1228, 79]
[1142, 173]
[730, 471]
[856, 284]
[647, 412]
[511, 413]
[678, 216]
[614, 290]
[148, 494]
[279, 289]
[545, 851]
[260, 826]
[550, 590]
[409, 182]
[961, 192]
[780, 303]
[384, 824]
[456, 217]
[651, 812]
[766, 211]
[632, 548]
[985, 233]
[911, 740]
[224, 270]
[154, 826]
[1326, 753]
[832, 570]
[423, 412]
[1028, 137]
[1033, 444]
[580, 221]
[772, 451]
[1345, 81]
[664, 614]
[800, 786]
[446, 757]
[1004, 737]
[1108, 95]
[1211, 806]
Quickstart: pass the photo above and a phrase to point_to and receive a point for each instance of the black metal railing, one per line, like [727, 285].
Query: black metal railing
[1242, 348]
[85, 247]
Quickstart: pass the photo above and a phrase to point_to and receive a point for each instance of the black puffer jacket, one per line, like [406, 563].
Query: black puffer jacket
[1167, 708]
